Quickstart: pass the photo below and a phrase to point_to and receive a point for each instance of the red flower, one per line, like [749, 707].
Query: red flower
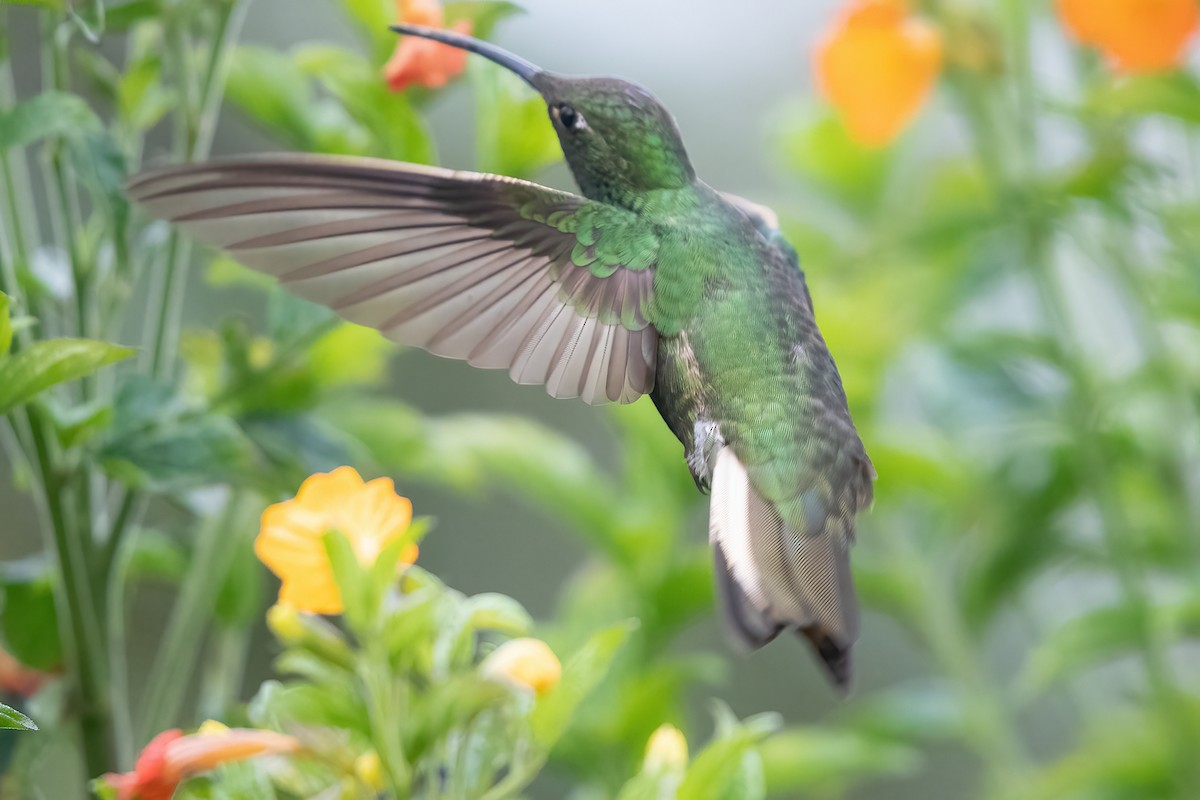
[150, 779]
[171, 757]
[421, 61]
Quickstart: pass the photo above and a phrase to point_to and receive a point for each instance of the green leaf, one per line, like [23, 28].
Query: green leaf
[728, 767]
[126, 15]
[829, 760]
[922, 712]
[274, 92]
[13, 720]
[397, 130]
[483, 15]
[100, 167]
[1173, 94]
[30, 621]
[817, 147]
[46, 116]
[581, 674]
[49, 363]
[472, 450]
[1103, 634]
[55, 5]
[159, 441]
[6, 332]
[157, 556]
[497, 612]
[240, 598]
[513, 135]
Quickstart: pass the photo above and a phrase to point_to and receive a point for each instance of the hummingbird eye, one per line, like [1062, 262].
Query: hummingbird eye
[569, 117]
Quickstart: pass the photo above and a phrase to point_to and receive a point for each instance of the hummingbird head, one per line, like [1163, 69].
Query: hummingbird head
[619, 141]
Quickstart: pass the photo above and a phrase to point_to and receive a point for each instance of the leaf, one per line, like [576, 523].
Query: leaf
[484, 15]
[397, 130]
[582, 673]
[470, 450]
[156, 555]
[6, 331]
[46, 116]
[497, 612]
[13, 720]
[350, 355]
[126, 15]
[919, 712]
[818, 148]
[30, 622]
[1173, 94]
[274, 92]
[513, 135]
[1102, 634]
[100, 166]
[49, 363]
[829, 760]
[158, 441]
[728, 767]
[55, 5]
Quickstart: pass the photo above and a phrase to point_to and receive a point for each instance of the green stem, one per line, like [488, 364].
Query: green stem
[81, 628]
[122, 716]
[170, 675]
[224, 672]
[990, 730]
[385, 705]
[1083, 399]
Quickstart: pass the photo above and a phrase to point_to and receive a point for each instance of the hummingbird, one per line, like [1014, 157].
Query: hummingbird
[648, 281]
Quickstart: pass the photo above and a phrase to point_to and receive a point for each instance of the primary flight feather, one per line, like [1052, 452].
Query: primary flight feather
[651, 282]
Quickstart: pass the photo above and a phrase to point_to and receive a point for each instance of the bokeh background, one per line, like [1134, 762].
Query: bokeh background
[1014, 301]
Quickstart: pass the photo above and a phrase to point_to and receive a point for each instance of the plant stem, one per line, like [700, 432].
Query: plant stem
[171, 672]
[990, 729]
[226, 667]
[1033, 224]
[82, 641]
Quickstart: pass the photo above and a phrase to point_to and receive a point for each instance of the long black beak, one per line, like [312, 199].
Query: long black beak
[528, 72]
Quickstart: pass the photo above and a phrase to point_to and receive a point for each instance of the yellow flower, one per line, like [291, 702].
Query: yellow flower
[291, 540]
[667, 750]
[876, 66]
[527, 663]
[1137, 35]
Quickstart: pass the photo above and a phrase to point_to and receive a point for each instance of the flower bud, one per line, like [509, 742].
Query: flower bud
[528, 663]
[368, 768]
[667, 750]
[283, 620]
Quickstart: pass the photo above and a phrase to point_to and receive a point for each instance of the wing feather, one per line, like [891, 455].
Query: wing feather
[469, 266]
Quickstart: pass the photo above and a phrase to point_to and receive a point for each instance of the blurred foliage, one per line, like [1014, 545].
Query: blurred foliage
[1012, 290]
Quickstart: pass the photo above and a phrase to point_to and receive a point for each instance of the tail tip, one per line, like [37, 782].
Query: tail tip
[834, 656]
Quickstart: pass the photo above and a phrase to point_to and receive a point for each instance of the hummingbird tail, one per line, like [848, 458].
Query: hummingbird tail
[773, 577]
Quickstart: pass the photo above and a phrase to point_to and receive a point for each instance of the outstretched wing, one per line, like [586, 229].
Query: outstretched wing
[500, 272]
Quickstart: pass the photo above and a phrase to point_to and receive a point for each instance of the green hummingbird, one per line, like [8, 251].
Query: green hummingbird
[648, 282]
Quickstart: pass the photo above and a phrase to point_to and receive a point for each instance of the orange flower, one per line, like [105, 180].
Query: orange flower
[876, 65]
[291, 539]
[421, 61]
[1137, 35]
[171, 757]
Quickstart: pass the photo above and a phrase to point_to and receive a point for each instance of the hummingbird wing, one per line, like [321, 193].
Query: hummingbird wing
[500, 272]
